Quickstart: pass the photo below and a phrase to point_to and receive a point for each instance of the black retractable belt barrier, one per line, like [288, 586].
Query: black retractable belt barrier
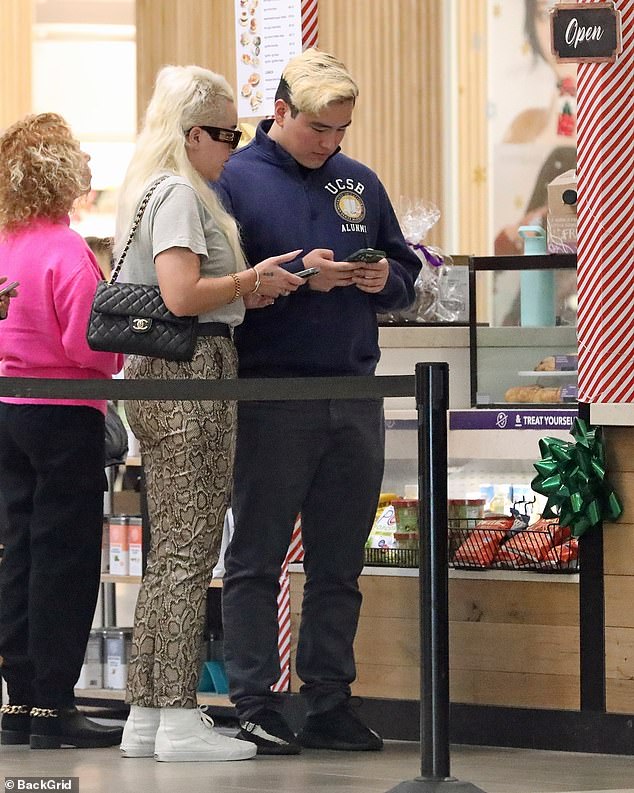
[243, 389]
[432, 398]
[432, 402]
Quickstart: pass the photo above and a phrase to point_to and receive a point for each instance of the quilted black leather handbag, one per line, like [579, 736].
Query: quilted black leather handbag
[133, 318]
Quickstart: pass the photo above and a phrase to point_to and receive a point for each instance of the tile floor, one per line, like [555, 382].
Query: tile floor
[492, 770]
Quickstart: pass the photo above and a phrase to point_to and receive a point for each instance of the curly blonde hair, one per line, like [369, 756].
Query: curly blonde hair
[42, 170]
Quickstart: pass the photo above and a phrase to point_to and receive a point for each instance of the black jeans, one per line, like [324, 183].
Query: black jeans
[325, 459]
[52, 480]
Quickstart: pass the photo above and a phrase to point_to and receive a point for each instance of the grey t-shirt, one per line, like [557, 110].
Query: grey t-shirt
[176, 217]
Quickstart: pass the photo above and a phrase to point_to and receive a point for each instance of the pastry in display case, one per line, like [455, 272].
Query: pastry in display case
[523, 335]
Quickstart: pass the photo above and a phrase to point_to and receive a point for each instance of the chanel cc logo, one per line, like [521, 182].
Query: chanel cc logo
[140, 324]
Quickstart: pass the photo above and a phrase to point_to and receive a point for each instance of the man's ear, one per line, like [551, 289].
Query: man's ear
[281, 111]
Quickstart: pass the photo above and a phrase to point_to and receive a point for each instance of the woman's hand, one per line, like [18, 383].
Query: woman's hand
[257, 301]
[274, 279]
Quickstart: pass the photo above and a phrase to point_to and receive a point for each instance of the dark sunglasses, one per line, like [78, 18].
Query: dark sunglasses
[230, 136]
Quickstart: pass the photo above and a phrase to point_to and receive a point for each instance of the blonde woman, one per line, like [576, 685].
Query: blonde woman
[190, 246]
[51, 450]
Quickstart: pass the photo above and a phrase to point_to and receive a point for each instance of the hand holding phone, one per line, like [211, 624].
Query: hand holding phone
[366, 255]
[308, 272]
[6, 288]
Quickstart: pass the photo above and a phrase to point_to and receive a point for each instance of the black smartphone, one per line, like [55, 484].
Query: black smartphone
[366, 255]
[5, 288]
[307, 273]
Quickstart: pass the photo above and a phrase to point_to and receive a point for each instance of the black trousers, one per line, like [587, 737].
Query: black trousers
[52, 480]
[325, 459]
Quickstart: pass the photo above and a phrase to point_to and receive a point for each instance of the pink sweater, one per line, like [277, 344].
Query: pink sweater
[44, 334]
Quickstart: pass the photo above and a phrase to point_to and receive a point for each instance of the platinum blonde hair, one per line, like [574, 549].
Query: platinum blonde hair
[314, 80]
[183, 97]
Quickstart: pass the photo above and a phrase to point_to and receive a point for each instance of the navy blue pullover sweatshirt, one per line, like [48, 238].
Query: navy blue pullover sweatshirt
[281, 206]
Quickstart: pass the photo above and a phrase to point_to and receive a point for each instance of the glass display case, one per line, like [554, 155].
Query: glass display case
[523, 336]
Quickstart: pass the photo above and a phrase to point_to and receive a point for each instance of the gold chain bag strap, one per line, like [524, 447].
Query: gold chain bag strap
[133, 318]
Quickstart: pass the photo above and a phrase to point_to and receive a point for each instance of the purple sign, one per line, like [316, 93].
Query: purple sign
[542, 420]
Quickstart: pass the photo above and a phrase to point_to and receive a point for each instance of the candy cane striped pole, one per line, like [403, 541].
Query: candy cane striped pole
[295, 554]
[605, 261]
[310, 26]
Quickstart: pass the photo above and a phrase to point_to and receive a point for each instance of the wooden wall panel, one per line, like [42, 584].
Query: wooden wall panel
[522, 603]
[535, 649]
[190, 31]
[619, 600]
[618, 543]
[15, 60]
[471, 120]
[619, 653]
[398, 124]
[619, 696]
[512, 643]
[515, 689]
[619, 448]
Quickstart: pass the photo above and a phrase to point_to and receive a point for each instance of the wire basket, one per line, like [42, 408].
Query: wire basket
[392, 557]
[485, 544]
[549, 549]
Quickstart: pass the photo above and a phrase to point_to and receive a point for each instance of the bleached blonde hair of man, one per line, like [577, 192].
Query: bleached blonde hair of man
[183, 97]
[315, 79]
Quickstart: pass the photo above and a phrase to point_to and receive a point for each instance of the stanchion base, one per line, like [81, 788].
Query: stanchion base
[422, 785]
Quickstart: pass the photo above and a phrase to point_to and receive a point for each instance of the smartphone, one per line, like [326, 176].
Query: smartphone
[366, 255]
[5, 288]
[307, 273]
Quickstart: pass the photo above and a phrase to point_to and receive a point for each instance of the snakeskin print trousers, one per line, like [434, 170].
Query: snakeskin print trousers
[188, 451]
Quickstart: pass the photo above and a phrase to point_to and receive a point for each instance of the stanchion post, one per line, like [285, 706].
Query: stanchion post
[432, 403]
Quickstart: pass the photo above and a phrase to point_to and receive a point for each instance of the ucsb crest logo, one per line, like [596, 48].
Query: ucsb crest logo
[140, 324]
[348, 203]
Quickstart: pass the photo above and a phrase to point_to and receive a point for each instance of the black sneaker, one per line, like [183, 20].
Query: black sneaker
[339, 728]
[270, 733]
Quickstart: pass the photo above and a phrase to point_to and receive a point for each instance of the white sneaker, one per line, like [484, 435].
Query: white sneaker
[139, 733]
[187, 734]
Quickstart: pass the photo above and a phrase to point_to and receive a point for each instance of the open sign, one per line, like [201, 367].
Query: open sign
[586, 32]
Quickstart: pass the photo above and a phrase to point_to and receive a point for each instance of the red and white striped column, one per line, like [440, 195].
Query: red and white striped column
[295, 554]
[605, 259]
[310, 23]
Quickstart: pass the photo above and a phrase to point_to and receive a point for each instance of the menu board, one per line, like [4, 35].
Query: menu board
[268, 35]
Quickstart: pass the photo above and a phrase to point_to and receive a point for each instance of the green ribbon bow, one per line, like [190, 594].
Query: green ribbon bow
[572, 475]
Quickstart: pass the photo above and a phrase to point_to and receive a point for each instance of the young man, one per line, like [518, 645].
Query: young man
[292, 187]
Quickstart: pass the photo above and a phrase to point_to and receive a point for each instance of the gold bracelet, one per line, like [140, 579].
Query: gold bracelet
[237, 288]
[257, 282]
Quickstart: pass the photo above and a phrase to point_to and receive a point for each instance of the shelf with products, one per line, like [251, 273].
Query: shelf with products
[491, 456]
[529, 330]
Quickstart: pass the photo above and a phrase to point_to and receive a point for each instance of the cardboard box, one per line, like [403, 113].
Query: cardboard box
[562, 213]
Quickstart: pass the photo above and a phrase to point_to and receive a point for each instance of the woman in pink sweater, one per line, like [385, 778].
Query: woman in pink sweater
[51, 450]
